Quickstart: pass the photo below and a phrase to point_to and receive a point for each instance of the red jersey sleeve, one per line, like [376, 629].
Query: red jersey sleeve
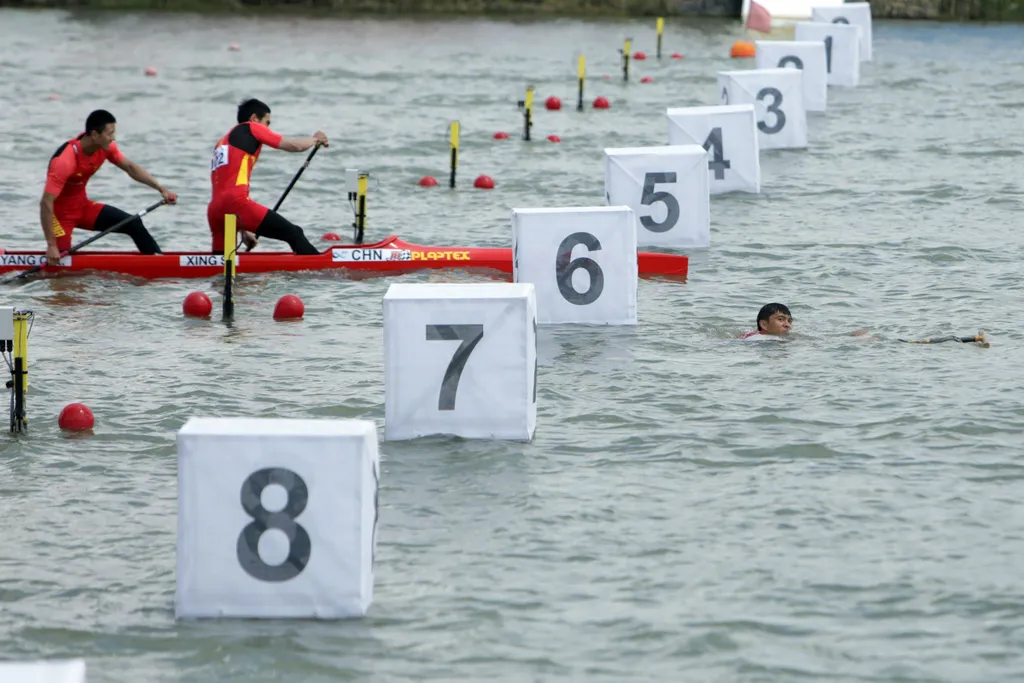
[114, 154]
[265, 136]
[61, 168]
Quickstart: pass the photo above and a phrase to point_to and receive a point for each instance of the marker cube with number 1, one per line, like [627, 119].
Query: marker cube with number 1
[854, 13]
[276, 518]
[582, 263]
[729, 135]
[808, 56]
[460, 360]
[42, 671]
[778, 99]
[842, 50]
[667, 188]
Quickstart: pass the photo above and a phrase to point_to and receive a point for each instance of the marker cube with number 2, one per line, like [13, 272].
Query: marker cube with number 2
[853, 13]
[42, 671]
[729, 135]
[460, 360]
[842, 49]
[582, 262]
[276, 518]
[667, 188]
[808, 56]
[778, 99]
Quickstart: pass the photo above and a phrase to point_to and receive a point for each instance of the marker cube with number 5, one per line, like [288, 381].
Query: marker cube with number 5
[667, 188]
[842, 50]
[778, 99]
[729, 135]
[460, 360]
[54, 671]
[808, 56]
[582, 262]
[276, 518]
[853, 13]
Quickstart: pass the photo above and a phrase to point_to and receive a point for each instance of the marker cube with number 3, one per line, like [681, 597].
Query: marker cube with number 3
[54, 671]
[582, 262]
[808, 56]
[853, 13]
[276, 518]
[668, 190]
[460, 360]
[729, 135]
[778, 99]
[842, 49]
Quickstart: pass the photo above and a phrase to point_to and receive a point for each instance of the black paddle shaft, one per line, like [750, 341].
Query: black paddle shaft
[292, 183]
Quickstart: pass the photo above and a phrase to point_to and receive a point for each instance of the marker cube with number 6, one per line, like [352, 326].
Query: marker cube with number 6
[842, 50]
[778, 99]
[668, 190]
[729, 135]
[808, 56]
[582, 262]
[56, 671]
[276, 518]
[460, 360]
[853, 13]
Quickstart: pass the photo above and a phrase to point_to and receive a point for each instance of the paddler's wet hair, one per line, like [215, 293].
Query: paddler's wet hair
[98, 121]
[768, 310]
[250, 107]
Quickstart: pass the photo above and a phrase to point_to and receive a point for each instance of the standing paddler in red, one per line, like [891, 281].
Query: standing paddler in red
[65, 205]
[230, 170]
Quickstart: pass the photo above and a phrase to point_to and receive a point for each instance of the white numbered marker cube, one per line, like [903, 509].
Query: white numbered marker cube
[728, 133]
[581, 262]
[68, 671]
[461, 360]
[854, 13]
[276, 518]
[668, 190]
[842, 50]
[778, 99]
[807, 56]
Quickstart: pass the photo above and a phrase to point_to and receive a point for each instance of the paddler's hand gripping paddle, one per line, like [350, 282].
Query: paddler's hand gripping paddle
[979, 338]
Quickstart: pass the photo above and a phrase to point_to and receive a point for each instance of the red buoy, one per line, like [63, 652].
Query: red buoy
[554, 138]
[601, 102]
[428, 181]
[553, 103]
[76, 417]
[197, 305]
[233, 47]
[639, 56]
[331, 237]
[501, 135]
[484, 182]
[150, 71]
[289, 307]
[647, 79]
[676, 55]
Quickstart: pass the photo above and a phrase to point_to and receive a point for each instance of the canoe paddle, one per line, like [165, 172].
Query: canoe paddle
[92, 239]
[290, 186]
[978, 338]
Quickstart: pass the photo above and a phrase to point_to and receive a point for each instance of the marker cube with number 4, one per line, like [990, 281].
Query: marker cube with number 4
[842, 50]
[729, 135]
[54, 671]
[460, 360]
[667, 188]
[582, 262]
[853, 13]
[778, 99]
[276, 518]
[808, 56]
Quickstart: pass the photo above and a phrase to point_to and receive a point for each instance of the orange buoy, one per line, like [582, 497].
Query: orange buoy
[331, 237]
[639, 56]
[553, 103]
[601, 102]
[484, 182]
[676, 55]
[554, 138]
[428, 181]
[76, 417]
[150, 71]
[647, 79]
[289, 307]
[501, 135]
[197, 305]
[741, 49]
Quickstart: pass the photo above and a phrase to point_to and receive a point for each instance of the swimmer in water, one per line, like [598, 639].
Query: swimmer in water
[773, 320]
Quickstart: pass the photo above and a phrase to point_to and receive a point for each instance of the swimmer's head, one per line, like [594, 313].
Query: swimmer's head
[774, 319]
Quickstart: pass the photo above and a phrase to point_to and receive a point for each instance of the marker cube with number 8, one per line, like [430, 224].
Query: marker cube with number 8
[460, 360]
[276, 518]
[808, 56]
[778, 99]
[582, 262]
[842, 49]
[667, 188]
[55, 671]
[853, 13]
[729, 135]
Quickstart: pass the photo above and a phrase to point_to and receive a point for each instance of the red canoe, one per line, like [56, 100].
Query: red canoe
[389, 256]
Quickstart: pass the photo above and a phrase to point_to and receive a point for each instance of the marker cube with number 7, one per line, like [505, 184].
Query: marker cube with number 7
[667, 188]
[460, 360]
[842, 49]
[276, 518]
[582, 263]
[777, 96]
[728, 133]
